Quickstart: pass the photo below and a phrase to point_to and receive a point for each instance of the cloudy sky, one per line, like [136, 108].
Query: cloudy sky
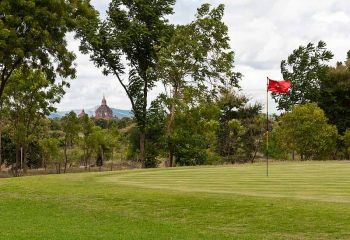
[262, 32]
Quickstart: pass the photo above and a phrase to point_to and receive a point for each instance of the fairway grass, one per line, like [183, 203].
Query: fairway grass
[305, 200]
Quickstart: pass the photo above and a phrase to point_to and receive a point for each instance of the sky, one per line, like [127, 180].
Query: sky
[262, 33]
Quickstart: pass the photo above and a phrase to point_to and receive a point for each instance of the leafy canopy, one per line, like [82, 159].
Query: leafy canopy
[305, 68]
[306, 131]
[32, 35]
[335, 95]
[199, 52]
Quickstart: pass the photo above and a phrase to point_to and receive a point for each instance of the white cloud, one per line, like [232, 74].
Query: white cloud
[337, 17]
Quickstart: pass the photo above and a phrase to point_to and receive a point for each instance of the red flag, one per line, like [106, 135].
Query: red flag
[278, 86]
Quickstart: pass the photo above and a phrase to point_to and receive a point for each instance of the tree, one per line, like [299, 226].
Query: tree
[102, 142]
[255, 126]
[198, 56]
[8, 147]
[50, 149]
[2, 126]
[306, 131]
[71, 128]
[305, 68]
[129, 38]
[347, 143]
[335, 95]
[87, 127]
[29, 97]
[234, 144]
[194, 134]
[240, 128]
[32, 35]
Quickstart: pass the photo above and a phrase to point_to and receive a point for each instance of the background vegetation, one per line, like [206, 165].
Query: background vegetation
[200, 118]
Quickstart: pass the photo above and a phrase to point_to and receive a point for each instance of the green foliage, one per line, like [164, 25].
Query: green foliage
[155, 133]
[101, 143]
[50, 150]
[32, 35]
[305, 68]
[241, 128]
[102, 123]
[275, 150]
[199, 119]
[8, 149]
[28, 98]
[152, 155]
[71, 127]
[194, 134]
[75, 156]
[335, 95]
[154, 140]
[123, 122]
[31, 92]
[194, 65]
[347, 142]
[199, 50]
[306, 131]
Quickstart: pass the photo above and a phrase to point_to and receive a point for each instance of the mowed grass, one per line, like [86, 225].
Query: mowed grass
[309, 200]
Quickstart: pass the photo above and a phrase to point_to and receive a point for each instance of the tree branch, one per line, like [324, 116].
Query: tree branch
[126, 91]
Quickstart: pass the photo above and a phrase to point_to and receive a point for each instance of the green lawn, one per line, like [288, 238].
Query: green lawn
[297, 201]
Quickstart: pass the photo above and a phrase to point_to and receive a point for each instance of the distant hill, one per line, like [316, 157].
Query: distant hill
[119, 113]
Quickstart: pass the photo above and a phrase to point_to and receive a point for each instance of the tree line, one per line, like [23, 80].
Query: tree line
[201, 117]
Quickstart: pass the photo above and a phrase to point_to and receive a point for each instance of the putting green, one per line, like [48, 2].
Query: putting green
[310, 180]
[307, 200]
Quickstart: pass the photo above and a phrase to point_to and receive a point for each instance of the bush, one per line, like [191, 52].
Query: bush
[306, 131]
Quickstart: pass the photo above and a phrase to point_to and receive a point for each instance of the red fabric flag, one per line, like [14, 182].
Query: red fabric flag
[278, 86]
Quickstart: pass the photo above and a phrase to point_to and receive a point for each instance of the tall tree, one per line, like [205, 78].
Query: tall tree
[305, 68]
[198, 56]
[128, 38]
[32, 35]
[71, 128]
[29, 97]
[87, 126]
[335, 95]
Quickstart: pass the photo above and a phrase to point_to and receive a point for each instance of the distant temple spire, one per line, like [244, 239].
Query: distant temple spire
[104, 102]
[82, 114]
[104, 111]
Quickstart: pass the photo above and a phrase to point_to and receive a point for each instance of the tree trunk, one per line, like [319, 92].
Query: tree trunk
[0, 146]
[89, 159]
[44, 163]
[65, 158]
[59, 168]
[15, 168]
[102, 158]
[254, 156]
[171, 156]
[85, 159]
[170, 128]
[24, 158]
[142, 149]
[112, 161]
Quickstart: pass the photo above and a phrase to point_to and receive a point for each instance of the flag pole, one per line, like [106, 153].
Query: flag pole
[267, 127]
